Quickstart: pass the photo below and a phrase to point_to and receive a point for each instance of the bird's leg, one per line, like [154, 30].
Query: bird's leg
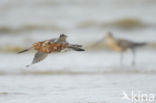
[133, 59]
[121, 58]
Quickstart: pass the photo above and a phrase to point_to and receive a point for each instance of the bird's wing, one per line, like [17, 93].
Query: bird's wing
[52, 40]
[39, 56]
[125, 43]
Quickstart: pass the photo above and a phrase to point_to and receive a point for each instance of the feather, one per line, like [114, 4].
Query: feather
[39, 56]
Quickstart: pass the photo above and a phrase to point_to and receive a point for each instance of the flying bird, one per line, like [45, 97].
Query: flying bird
[46, 47]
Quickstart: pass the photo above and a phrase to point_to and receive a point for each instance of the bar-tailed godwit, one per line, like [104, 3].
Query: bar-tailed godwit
[121, 45]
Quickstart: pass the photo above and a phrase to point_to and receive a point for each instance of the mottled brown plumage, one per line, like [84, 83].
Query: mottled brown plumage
[46, 47]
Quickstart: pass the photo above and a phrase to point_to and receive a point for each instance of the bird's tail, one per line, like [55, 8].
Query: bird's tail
[24, 50]
[141, 44]
[76, 47]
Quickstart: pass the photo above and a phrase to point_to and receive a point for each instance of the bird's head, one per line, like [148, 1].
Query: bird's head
[108, 35]
[63, 37]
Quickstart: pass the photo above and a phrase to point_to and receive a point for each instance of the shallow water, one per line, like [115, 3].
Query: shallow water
[75, 88]
[104, 62]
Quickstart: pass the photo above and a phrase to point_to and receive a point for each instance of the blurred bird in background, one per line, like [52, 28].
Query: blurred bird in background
[46, 47]
[121, 45]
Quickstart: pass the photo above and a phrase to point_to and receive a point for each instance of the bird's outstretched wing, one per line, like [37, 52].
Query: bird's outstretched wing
[52, 40]
[39, 56]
